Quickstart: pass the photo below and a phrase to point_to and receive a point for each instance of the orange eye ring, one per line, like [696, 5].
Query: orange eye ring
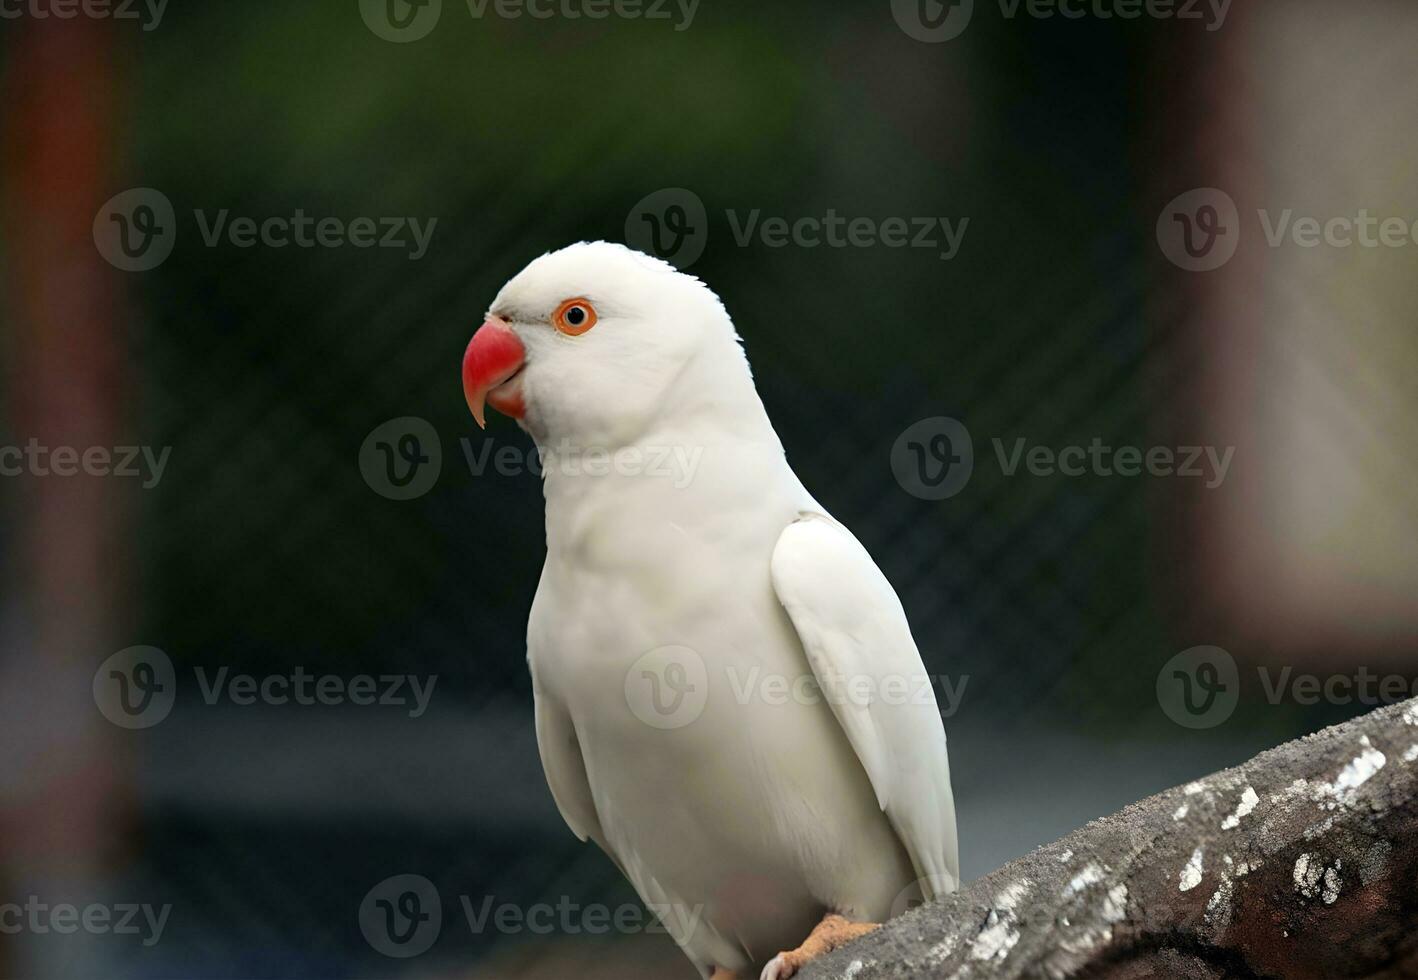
[574, 317]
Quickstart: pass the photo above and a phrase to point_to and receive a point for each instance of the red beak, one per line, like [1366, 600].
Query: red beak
[493, 357]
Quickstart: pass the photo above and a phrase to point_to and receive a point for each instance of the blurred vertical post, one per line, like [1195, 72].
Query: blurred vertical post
[1303, 349]
[65, 387]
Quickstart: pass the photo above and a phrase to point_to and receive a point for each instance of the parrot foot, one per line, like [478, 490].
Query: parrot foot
[722, 974]
[832, 932]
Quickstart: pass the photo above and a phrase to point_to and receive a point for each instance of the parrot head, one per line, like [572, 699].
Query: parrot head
[595, 343]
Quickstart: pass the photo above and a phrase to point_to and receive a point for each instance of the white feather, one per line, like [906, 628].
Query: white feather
[859, 644]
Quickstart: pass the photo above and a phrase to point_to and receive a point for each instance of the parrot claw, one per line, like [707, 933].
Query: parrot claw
[832, 932]
[778, 968]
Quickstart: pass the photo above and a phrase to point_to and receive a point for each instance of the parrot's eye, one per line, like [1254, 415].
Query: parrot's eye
[574, 317]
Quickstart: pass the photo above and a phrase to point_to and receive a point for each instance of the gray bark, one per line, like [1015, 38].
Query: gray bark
[1301, 863]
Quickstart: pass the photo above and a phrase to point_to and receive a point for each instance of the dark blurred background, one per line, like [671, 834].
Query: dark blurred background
[1054, 604]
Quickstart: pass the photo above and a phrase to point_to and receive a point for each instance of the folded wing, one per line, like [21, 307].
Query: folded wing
[859, 646]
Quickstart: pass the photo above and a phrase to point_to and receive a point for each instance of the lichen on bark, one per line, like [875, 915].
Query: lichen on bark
[1302, 863]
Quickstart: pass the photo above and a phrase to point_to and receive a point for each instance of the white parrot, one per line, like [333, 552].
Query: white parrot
[728, 698]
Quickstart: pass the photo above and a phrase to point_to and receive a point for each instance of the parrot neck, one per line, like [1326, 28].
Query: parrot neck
[707, 447]
[709, 401]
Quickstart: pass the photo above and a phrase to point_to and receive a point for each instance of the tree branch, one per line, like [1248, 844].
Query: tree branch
[1301, 863]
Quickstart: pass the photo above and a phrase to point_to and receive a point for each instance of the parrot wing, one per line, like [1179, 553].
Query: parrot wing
[859, 646]
[565, 766]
